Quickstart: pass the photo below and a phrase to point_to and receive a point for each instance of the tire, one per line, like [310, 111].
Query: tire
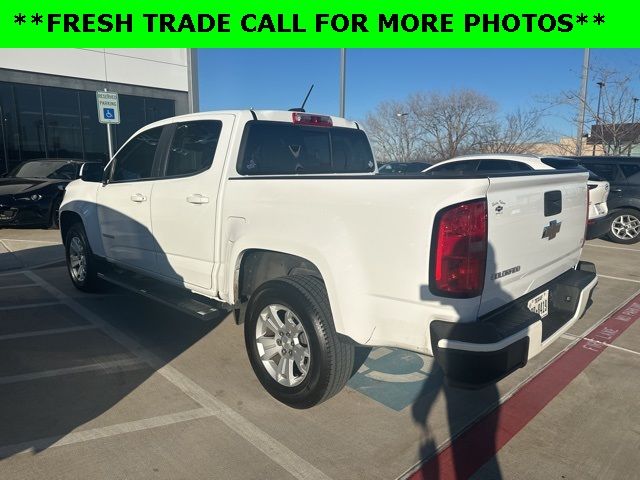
[330, 360]
[76, 247]
[625, 226]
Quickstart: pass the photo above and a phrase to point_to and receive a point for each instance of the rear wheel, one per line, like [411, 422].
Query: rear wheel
[292, 344]
[81, 264]
[625, 227]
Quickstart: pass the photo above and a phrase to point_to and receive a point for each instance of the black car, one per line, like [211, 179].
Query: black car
[623, 175]
[31, 193]
[402, 168]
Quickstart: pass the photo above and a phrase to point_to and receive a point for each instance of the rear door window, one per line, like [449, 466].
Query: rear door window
[280, 148]
[193, 147]
[608, 171]
[631, 172]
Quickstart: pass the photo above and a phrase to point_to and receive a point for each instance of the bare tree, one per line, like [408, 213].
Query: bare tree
[432, 126]
[519, 132]
[612, 128]
[394, 133]
[451, 124]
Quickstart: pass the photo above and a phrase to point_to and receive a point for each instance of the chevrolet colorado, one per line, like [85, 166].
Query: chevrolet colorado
[280, 216]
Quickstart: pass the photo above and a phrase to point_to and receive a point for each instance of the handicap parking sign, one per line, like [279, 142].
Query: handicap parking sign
[108, 107]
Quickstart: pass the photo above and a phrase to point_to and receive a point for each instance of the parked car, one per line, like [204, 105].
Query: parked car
[623, 174]
[402, 168]
[597, 223]
[31, 193]
[279, 216]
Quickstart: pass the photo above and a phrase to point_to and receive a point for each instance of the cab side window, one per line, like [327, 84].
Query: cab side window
[193, 147]
[500, 166]
[463, 167]
[608, 171]
[631, 172]
[135, 160]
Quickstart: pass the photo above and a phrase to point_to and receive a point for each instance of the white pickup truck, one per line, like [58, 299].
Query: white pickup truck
[282, 217]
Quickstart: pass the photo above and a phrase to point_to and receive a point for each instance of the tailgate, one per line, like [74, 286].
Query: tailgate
[536, 227]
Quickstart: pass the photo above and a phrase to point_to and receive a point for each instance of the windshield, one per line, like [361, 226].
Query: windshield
[53, 169]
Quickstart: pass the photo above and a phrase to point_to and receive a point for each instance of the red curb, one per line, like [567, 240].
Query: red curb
[503, 423]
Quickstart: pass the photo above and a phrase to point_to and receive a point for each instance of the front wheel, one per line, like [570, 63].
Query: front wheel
[625, 227]
[292, 344]
[81, 264]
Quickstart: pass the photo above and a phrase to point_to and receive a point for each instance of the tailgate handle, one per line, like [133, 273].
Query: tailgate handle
[552, 203]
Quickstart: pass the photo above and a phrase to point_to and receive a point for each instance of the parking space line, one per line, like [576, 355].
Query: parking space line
[613, 248]
[103, 432]
[272, 448]
[110, 366]
[570, 336]
[51, 331]
[23, 285]
[19, 240]
[619, 278]
[30, 305]
[523, 403]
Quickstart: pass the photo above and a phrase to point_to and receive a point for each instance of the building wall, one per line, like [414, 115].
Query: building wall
[48, 104]
[165, 68]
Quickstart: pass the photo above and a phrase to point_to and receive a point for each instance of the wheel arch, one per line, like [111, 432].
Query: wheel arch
[68, 218]
[255, 266]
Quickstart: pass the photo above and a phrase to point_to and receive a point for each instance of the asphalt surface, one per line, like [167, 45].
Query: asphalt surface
[114, 386]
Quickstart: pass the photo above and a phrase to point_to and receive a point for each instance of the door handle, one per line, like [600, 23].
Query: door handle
[616, 190]
[138, 197]
[198, 199]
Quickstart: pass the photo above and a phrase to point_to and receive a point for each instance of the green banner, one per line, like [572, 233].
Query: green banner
[331, 23]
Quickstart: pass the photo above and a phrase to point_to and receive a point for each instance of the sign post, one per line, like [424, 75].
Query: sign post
[108, 113]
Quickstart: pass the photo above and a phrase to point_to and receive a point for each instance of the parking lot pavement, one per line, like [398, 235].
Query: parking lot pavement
[29, 248]
[112, 385]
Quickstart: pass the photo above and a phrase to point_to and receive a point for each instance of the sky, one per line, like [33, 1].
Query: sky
[280, 78]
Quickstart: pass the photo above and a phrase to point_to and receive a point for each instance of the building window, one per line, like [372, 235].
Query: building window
[30, 122]
[51, 122]
[94, 134]
[9, 144]
[62, 123]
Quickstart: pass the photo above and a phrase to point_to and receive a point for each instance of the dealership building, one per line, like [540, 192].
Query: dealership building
[48, 98]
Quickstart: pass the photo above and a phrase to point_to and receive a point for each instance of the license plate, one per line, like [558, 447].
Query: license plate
[540, 304]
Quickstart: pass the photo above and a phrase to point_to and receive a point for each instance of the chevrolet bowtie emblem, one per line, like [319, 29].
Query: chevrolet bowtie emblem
[551, 230]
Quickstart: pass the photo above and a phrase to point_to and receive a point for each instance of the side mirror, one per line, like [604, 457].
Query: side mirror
[91, 172]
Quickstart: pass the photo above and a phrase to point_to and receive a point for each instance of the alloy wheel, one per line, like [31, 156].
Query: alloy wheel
[283, 345]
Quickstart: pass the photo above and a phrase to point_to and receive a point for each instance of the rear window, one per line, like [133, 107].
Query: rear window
[280, 148]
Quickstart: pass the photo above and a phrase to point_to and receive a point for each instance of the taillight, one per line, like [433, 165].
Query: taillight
[311, 119]
[459, 250]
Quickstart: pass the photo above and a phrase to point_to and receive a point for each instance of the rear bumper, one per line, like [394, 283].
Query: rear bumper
[475, 354]
[598, 227]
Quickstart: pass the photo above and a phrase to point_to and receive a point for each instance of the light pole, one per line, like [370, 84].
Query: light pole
[403, 137]
[601, 85]
[583, 100]
[343, 79]
[633, 127]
